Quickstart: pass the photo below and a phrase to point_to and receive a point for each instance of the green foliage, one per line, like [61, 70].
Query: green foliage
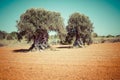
[10, 36]
[109, 36]
[13, 35]
[54, 39]
[3, 34]
[118, 36]
[79, 26]
[34, 19]
[94, 35]
[106, 40]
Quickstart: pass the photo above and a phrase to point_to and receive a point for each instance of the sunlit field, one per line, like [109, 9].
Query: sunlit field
[61, 62]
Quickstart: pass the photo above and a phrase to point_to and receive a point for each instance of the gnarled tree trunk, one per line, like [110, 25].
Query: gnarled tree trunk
[40, 40]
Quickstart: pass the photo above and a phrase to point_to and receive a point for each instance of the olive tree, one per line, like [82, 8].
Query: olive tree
[35, 24]
[79, 30]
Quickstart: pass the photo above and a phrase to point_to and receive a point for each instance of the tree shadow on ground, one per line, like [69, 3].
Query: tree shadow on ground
[68, 47]
[21, 50]
[2, 45]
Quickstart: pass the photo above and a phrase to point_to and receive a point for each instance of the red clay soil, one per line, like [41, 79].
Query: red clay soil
[94, 62]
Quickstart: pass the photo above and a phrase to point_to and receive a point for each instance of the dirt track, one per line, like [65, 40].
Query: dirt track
[95, 62]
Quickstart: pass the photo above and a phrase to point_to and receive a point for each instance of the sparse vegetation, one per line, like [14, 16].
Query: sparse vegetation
[94, 35]
[109, 36]
[3, 35]
[106, 39]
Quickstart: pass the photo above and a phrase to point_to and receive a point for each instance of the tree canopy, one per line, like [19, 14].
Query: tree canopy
[37, 18]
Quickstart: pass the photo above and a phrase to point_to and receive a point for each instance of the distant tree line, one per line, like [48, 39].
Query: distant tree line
[95, 35]
[8, 36]
[105, 39]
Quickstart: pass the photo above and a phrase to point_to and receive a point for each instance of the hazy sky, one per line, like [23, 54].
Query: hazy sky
[105, 14]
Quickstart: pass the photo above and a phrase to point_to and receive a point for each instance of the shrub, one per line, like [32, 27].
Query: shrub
[3, 34]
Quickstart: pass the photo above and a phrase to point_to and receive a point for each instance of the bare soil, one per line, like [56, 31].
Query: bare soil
[94, 62]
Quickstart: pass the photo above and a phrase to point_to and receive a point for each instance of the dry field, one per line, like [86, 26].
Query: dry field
[94, 62]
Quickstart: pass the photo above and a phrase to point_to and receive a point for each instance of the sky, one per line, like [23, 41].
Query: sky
[104, 14]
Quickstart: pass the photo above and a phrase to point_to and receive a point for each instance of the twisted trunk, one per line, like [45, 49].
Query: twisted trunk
[78, 41]
[40, 40]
